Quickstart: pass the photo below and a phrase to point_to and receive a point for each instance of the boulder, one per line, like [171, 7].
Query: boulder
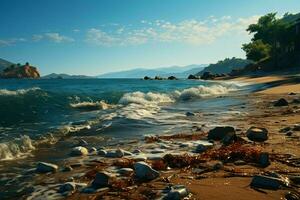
[281, 102]
[67, 187]
[218, 133]
[191, 76]
[172, 78]
[43, 167]
[267, 182]
[102, 179]
[79, 151]
[145, 172]
[256, 134]
[176, 192]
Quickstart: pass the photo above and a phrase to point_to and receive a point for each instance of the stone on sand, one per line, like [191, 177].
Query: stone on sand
[79, 151]
[102, 179]
[256, 134]
[218, 133]
[43, 167]
[145, 172]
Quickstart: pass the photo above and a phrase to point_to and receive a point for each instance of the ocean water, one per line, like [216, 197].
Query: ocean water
[41, 119]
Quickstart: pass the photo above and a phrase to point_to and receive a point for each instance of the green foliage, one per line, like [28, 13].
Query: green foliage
[257, 50]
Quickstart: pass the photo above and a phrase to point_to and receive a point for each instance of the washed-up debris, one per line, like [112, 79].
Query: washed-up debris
[184, 160]
[43, 167]
[157, 138]
[268, 182]
[257, 134]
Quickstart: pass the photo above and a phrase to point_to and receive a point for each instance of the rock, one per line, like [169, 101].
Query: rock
[102, 153]
[290, 133]
[147, 78]
[191, 76]
[119, 153]
[257, 134]
[67, 187]
[82, 143]
[296, 101]
[285, 129]
[137, 151]
[218, 133]
[93, 150]
[266, 182]
[102, 179]
[281, 102]
[172, 78]
[263, 159]
[158, 78]
[217, 166]
[207, 75]
[145, 172]
[176, 192]
[240, 162]
[155, 151]
[189, 114]
[25, 71]
[125, 171]
[43, 167]
[140, 158]
[292, 196]
[200, 148]
[229, 138]
[79, 151]
[292, 93]
[296, 127]
[67, 169]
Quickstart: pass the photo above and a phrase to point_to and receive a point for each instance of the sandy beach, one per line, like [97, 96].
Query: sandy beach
[195, 165]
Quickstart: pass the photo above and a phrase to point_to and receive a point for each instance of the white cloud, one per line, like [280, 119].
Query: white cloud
[11, 41]
[57, 38]
[193, 32]
[37, 38]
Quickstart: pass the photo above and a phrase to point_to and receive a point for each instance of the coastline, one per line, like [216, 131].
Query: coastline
[205, 177]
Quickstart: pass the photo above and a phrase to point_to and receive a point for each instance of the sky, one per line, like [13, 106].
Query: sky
[92, 37]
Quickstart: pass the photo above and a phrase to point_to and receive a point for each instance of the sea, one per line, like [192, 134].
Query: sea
[41, 119]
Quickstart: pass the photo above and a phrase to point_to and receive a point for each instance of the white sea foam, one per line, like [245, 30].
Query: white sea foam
[5, 92]
[145, 98]
[89, 105]
[16, 148]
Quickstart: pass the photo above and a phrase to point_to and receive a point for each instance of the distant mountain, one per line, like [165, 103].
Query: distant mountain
[65, 76]
[178, 71]
[225, 66]
[4, 64]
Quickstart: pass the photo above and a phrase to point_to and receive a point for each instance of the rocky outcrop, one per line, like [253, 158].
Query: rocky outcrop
[25, 71]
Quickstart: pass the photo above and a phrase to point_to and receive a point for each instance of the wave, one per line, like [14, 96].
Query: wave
[5, 92]
[16, 148]
[88, 105]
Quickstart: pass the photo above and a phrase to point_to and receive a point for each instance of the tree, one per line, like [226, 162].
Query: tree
[257, 50]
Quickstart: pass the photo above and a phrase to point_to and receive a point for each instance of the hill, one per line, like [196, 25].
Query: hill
[4, 64]
[20, 72]
[65, 76]
[178, 71]
[225, 66]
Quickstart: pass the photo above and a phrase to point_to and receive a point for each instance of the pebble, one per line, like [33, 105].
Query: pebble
[93, 151]
[102, 152]
[176, 192]
[144, 171]
[266, 182]
[43, 167]
[200, 148]
[67, 169]
[140, 158]
[257, 134]
[119, 153]
[137, 151]
[189, 114]
[218, 133]
[263, 159]
[290, 133]
[67, 187]
[281, 102]
[79, 151]
[102, 179]
[125, 171]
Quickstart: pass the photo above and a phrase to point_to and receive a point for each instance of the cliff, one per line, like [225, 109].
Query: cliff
[25, 71]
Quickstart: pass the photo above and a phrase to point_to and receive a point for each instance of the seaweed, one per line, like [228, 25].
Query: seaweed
[156, 138]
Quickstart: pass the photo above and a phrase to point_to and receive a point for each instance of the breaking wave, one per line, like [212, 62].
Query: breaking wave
[16, 148]
[89, 105]
[5, 92]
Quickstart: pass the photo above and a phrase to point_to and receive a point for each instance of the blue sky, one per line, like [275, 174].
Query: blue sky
[96, 36]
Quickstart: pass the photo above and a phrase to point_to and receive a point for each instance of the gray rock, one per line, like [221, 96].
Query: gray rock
[119, 153]
[67, 187]
[263, 159]
[93, 150]
[177, 192]
[102, 179]
[266, 182]
[43, 167]
[79, 151]
[290, 133]
[125, 171]
[200, 148]
[144, 171]
[102, 152]
[281, 102]
[257, 134]
[218, 133]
